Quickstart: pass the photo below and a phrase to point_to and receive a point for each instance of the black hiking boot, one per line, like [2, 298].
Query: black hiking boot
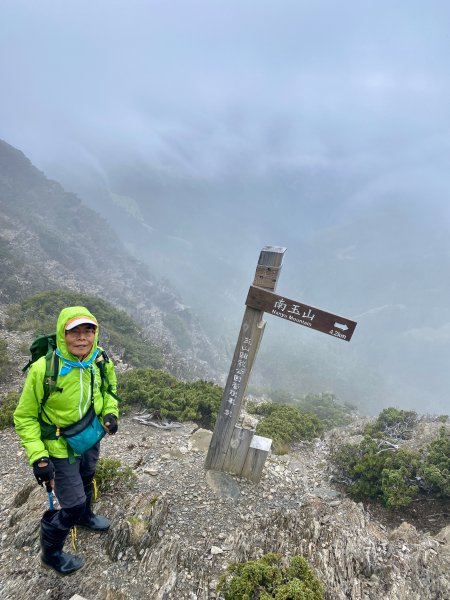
[53, 535]
[94, 522]
[88, 520]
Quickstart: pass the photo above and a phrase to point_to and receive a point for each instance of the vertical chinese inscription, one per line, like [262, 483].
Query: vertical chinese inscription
[238, 374]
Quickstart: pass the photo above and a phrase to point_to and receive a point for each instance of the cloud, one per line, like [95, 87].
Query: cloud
[378, 309]
[430, 335]
[197, 84]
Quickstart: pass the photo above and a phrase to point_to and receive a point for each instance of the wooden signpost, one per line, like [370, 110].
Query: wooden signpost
[300, 313]
[236, 449]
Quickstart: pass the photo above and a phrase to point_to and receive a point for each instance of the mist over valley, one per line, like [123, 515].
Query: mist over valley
[379, 262]
[206, 134]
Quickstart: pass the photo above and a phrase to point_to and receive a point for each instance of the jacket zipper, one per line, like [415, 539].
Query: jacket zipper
[80, 405]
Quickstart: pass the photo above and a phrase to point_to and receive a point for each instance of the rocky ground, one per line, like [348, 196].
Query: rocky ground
[174, 533]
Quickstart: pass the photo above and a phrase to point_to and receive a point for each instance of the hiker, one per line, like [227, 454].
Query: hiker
[61, 455]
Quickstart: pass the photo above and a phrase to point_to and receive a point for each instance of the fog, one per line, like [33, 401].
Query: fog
[204, 131]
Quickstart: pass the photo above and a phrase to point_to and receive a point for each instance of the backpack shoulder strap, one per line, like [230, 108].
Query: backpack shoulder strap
[100, 361]
[51, 375]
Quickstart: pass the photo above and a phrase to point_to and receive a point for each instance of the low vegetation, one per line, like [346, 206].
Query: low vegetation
[169, 397]
[325, 406]
[378, 468]
[7, 409]
[289, 418]
[270, 578]
[179, 330]
[285, 425]
[112, 476]
[393, 423]
[435, 468]
[4, 359]
[39, 312]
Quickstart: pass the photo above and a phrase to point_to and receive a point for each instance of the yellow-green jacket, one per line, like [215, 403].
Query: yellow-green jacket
[62, 408]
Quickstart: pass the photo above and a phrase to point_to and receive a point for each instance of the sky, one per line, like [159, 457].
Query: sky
[336, 114]
[200, 86]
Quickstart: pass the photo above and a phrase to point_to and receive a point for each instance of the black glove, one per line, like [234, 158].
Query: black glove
[110, 422]
[44, 473]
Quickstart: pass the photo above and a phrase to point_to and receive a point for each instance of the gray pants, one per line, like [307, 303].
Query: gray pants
[71, 479]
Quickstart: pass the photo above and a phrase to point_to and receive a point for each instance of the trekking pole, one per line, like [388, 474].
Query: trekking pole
[49, 489]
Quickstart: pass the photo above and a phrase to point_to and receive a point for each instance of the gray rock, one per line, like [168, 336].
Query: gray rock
[163, 530]
[200, 440]
[325, 493]
[444, 535]
[223, 484]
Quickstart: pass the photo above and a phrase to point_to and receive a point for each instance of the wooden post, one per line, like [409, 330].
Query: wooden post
[256, 457]
[238, 450]
[252, 328]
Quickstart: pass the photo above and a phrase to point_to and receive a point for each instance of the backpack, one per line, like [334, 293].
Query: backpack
[45, 345]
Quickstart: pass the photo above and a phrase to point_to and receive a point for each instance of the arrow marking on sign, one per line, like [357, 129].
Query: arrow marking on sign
[342, 326]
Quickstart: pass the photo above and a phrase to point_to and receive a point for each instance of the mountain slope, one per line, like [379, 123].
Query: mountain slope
[50, 239]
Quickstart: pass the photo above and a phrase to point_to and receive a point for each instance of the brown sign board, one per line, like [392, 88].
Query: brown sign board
[300, 313]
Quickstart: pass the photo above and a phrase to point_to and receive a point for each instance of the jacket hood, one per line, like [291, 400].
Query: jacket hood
[67, 314]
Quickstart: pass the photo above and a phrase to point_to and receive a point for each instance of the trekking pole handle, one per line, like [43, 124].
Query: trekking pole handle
[48, 487]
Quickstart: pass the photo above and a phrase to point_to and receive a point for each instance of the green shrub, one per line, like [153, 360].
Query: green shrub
[379, 469]
[7, 408]
[286, 425]
[39, 313]
[361, 465]
[379, 472]
[4, 359]
[393, 423]
[112, 476]
[270, 578]
[171, 398]
[324, 406]
[399, 482]
[435, 470]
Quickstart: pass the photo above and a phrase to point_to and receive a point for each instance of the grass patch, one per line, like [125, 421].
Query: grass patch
[7, 408]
